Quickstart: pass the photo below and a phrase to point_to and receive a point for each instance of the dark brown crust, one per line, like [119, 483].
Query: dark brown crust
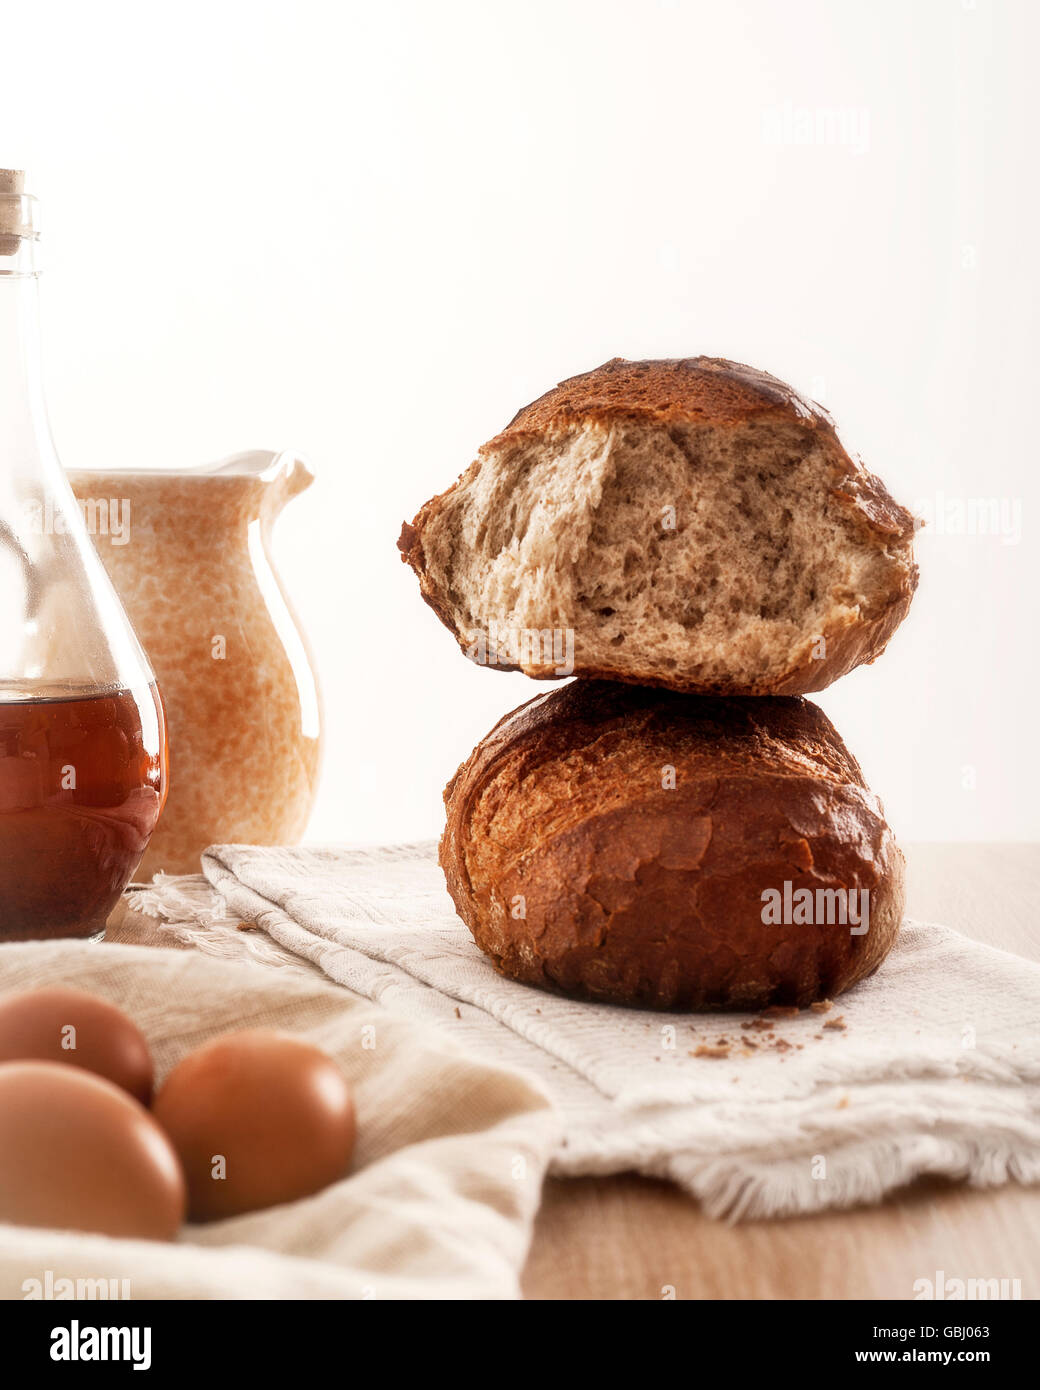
[709, 390]
[668, 391]
[642, 894]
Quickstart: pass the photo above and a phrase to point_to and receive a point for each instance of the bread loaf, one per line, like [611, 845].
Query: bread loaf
[651, 848]
[693, 524]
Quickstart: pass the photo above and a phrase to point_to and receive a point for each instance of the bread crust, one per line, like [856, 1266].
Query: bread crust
[641, 893]
[726, 395]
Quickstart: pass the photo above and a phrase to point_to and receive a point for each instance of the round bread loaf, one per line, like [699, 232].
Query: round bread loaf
[692, 523]
[670, 851]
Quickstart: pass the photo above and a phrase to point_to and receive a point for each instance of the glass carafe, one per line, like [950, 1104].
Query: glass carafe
[82, 732]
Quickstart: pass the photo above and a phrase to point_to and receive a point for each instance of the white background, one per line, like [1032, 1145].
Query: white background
[371, 232]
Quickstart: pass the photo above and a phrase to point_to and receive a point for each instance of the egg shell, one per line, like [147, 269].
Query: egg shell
[277, 1110]
[79, 1154]
[78, 1029]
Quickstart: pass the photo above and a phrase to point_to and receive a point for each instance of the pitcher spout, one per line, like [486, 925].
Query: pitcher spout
[288, 476]
[283, 473]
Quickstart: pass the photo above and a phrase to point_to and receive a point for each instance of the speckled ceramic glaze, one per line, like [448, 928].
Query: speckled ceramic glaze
[189, 555]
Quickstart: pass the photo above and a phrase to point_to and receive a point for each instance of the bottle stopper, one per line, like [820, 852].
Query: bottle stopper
[12, 222]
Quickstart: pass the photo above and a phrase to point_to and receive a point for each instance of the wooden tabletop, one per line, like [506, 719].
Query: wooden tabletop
[629, 1237]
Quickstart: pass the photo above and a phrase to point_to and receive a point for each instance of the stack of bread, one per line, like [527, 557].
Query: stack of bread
[677, 827]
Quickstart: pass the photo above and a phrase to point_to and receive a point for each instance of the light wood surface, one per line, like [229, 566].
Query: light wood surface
[632, 1238]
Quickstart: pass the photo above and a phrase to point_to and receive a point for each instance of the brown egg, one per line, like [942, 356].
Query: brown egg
[68, 1025]
[257, 1118]
[79, 1154]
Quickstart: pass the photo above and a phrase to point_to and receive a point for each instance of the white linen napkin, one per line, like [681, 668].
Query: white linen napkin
[932, 1066]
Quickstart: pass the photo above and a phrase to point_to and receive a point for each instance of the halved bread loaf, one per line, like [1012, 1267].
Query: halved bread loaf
[672, 851]
[691, 523]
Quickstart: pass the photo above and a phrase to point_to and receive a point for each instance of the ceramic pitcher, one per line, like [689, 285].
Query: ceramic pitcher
[189, 554]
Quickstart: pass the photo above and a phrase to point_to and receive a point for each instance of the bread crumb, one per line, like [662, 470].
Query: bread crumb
[842, 1104]
[780, 1011]
[705, 1051]
[248, 926]
[838, 1023]
[457, 1014]
[822, 1006]
[760, 1025]
[781, 1045]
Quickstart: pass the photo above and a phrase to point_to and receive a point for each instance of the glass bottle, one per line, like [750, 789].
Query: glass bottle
[83, 768]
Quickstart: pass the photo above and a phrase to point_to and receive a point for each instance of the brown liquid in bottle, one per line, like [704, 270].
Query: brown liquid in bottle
[82, 782]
